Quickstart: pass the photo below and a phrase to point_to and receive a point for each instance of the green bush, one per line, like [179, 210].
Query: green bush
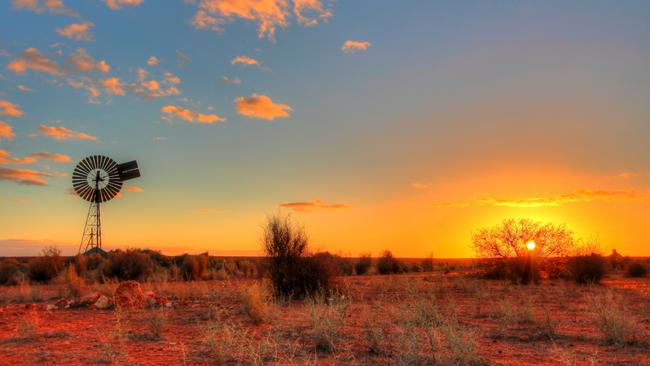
[588, 269]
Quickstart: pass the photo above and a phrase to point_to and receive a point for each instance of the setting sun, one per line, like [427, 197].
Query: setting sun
[531, 245]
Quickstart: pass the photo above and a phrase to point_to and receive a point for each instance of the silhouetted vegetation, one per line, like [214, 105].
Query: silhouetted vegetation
[387, 264]
[362, 266]
[47, 266]
[131, 264]
[588, 269]
[636, 269]
[9, 270]
[291, 271]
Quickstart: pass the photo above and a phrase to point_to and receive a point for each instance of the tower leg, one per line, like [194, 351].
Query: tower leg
[92, 234]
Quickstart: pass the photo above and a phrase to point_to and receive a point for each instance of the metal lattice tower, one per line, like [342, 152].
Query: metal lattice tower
[98, 179]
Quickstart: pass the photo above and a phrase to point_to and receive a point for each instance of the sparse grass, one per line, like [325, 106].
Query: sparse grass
[28, 327]
[255, 303]
[462, 345]
[156, 324]
[327, 319]
[613, 319]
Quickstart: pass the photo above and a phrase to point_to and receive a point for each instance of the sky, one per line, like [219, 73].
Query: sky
[398, 125]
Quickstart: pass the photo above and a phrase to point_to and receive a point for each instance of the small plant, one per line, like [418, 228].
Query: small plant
[47, 266]
[363, 265]
[462, 346]
[613, 321]
[254, 303]
[73, 283]
[28, 326]
[130, 265]
[327, 320]
[155, 325]
[588, 269]
[636, 269]
[375, 337]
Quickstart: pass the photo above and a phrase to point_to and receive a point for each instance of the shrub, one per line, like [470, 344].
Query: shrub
[73, 284]
[254, 303]
[363, 264]
[291, 272]
[130, 265]
[47, 266]
[9, 268]
[194, 267]
[636, 269]
[588, 268]
[387, 264]
[613, 320]
[327, 320]
[427, 264]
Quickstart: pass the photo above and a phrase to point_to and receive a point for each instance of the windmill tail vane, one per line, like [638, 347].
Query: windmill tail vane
[98, 179]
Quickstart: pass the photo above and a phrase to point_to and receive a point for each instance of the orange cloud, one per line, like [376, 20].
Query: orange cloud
[77, 31]
[245, 60]
[262, 107]
[152, 89]
[32, 59]
[49, 6]
[561, 199]
[10, 109]
[351, 46]
[6, 131]
[27, 176]
[113, 86]
[62, 133]
[82, 61]
[24, 88]
[152, 61]
[7, 159]
[309, 12]
[269, 14]
[420, 185]
[191, 116]
[118, 4]
[309, 206]
[134, 189]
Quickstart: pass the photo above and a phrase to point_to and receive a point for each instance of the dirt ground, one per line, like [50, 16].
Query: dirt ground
[422, 319]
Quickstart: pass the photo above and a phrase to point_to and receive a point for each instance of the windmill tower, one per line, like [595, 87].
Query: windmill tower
[98, 179]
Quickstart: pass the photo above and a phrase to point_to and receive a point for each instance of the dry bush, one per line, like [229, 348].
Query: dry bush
[588, 269]
[226, 342]
[194, 268]
[73, 284]
[47, 266]
[376, 336]
[156, 324]
[613, 319]
[255, 303]
[462, 346]
[327, 317]
[387, 264]
[132, 264]
[292, 273]
[9, 269]
[636, 269]
[362, 266]
[427, 264]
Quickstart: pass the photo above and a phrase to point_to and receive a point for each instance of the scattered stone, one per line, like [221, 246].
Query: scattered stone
[129, 295]
[88, 300]
[51, 307]
[102, 303]
[62, 303]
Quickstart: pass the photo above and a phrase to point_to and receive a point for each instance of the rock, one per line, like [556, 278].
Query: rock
[51, 307]
[88, 300]
[129, 295]
[62, 303]
[102, 303]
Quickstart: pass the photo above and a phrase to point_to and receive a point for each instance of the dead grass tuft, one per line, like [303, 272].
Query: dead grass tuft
[613, 320]
[255, 301]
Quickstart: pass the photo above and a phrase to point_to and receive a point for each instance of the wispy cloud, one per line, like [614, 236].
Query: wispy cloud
[62, 133]
[6, 131]
[45, 6]
[7, 159]
[261, 107]
[119, 4]
[82, 61]
[310, 12]
[351, 46]
[27, 176]
[33, 59]
[420, 185]
[10, 109]
[152, 88]
[567, 198]
[134, 189]
[113, 86]
[23, 88]
[77, 31]
[190, 116]
[313, 205]
[245, 60]
[152, 61]
[228, 80]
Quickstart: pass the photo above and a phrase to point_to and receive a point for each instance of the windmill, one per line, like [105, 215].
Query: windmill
[98, 179]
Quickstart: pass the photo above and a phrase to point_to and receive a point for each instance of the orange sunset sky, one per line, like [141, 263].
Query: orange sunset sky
[376, 124]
